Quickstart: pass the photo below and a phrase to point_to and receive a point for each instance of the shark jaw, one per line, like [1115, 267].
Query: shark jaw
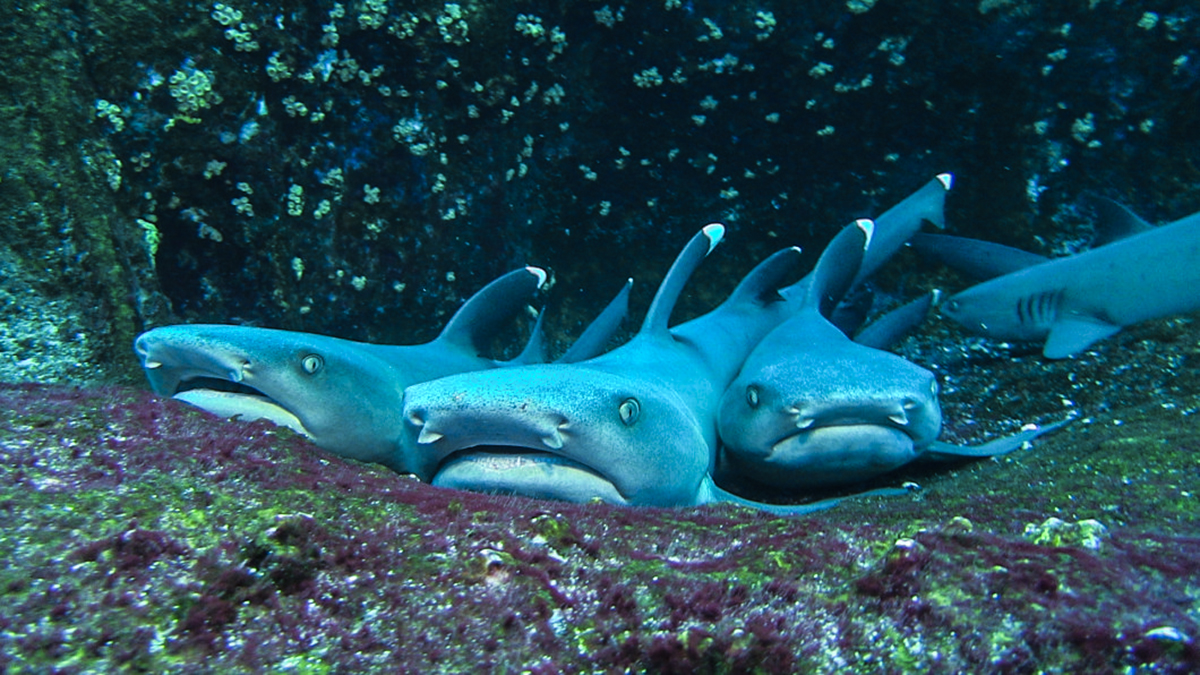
[243, 406]
[213, 384]
[834, 455]
[525, 472]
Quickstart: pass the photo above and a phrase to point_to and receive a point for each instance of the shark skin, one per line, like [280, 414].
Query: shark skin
[813, 409]
[346, 396]
[1073, 302]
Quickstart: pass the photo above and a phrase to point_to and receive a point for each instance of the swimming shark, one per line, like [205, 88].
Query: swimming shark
[638, 424]
[1142, 272]
[345, 396]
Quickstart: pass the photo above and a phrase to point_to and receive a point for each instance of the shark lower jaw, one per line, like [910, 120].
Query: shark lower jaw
[841, 441]
[527, 472]
[233, 399]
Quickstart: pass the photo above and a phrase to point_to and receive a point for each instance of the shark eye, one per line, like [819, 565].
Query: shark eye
[629, 411]
[752, 396]
[311, 363]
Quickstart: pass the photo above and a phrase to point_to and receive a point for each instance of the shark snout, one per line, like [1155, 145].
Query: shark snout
[519, 425]
[170, 357]
[905, 413]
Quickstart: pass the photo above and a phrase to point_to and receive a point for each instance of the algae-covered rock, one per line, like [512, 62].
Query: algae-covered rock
[148, 536]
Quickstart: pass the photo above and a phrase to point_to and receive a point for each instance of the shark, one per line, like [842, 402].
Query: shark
[346, 396]
[636, 425]
[1136, 273]
[813, 409]
[628, 427]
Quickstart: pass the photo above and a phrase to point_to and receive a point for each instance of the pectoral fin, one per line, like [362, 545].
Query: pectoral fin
[1000, 446]
[1074, 334]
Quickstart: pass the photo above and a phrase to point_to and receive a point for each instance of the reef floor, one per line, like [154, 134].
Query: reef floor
[147, 536]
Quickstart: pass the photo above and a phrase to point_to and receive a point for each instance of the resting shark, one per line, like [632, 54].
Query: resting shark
[638, 424]
[346, 396]
[632, 426]
[815, 409]
[1144, 272]
[812, 408]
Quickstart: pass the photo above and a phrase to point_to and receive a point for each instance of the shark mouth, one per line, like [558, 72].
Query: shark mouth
[524, 471]
[230, 399]
[834, 438]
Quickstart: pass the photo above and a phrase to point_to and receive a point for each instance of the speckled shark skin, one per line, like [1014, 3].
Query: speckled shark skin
[346, 396]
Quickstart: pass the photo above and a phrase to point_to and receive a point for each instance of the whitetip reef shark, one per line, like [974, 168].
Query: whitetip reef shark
[1138, 272]
[345, 396]
[636, 425]
[632, 426]
[814, 409]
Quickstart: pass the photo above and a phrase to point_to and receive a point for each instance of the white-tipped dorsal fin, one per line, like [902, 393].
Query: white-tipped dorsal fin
[659, 314]
[475, 323]
[839, 263]
[946, 179]
[537, 272]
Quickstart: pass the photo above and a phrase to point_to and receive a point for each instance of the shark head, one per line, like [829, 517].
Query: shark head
[559, 431]
[1006, 309]
[824, 419]
[337, 392]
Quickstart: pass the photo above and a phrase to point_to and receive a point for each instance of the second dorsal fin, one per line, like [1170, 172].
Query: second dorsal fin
[595, 337]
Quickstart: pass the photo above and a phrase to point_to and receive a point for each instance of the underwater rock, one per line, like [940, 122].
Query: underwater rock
[145, 534]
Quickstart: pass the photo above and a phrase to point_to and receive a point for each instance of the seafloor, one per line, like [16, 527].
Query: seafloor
[359, 168]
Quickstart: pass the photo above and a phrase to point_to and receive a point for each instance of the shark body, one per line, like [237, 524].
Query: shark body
[632, 426]
[346, 396]
[1142, 273]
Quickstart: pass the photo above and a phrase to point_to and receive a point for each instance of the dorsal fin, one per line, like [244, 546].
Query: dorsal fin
[761, 285]
[1113, 221]
[898, 224]
[838, 265]
[483, 314]
[657, 317]
[535, 349]
[595, 337]
[890, 328]
[975, 258]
